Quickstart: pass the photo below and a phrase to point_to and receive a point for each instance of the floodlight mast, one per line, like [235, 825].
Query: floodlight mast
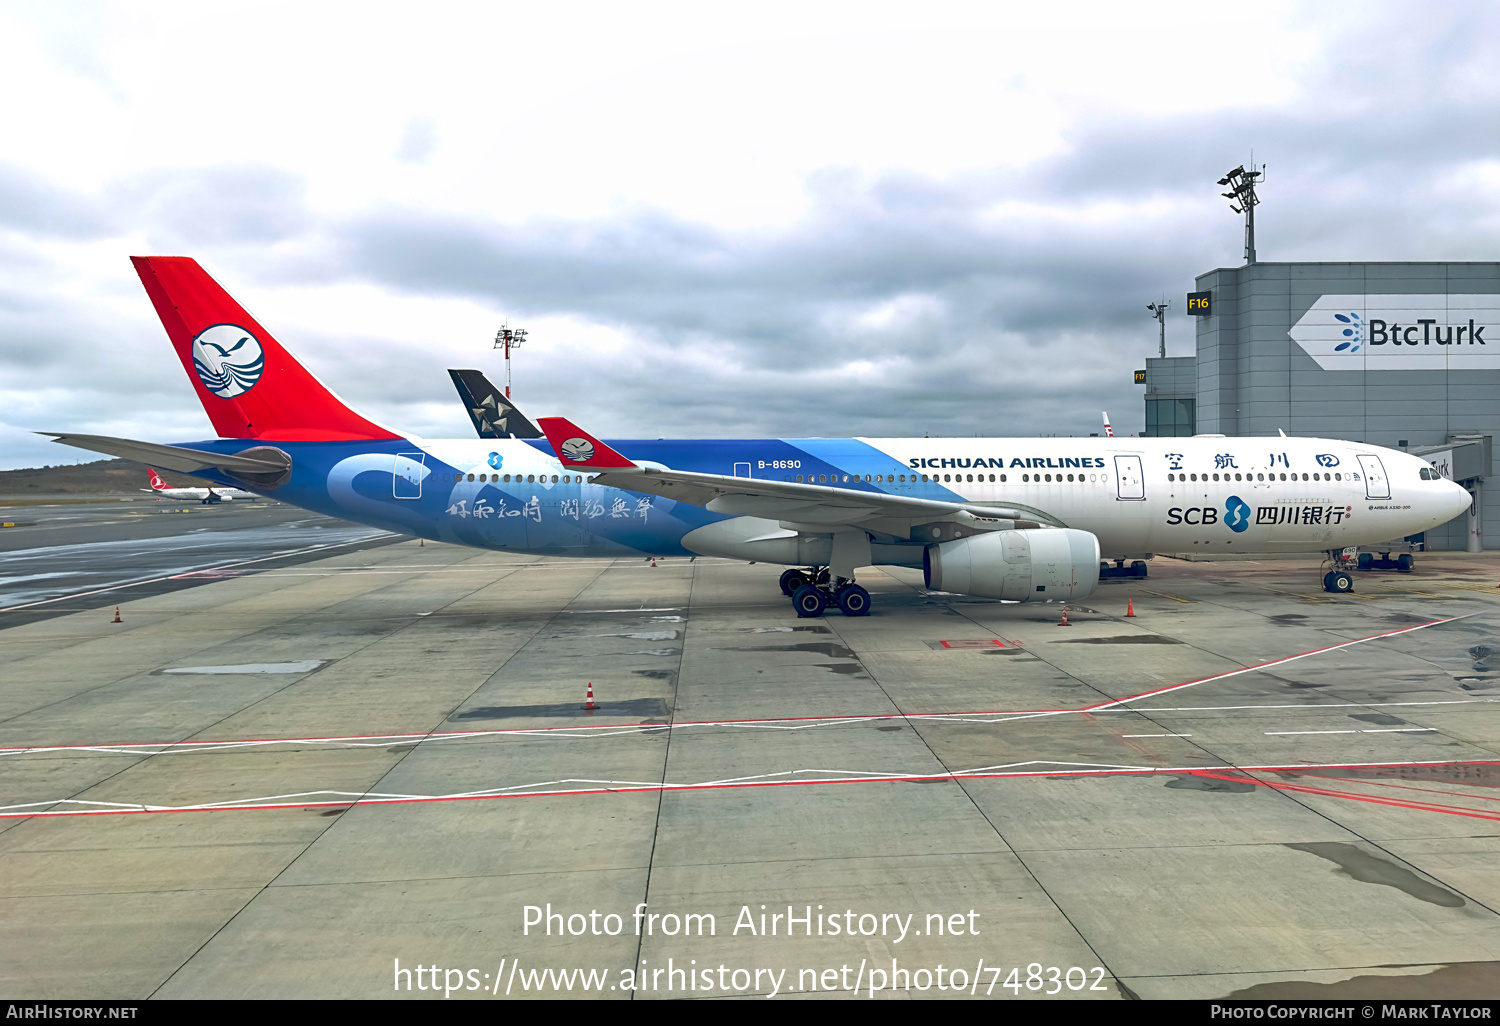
[1159, 311]
[1242, 191]
[509, 338]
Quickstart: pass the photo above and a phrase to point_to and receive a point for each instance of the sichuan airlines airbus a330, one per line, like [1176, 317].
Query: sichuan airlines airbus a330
[1008, 518]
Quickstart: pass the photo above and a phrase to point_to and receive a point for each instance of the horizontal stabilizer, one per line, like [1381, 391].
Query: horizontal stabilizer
[173, 457]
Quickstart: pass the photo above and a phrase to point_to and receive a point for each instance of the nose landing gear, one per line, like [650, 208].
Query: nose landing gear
[812, 591]
[1338, 580]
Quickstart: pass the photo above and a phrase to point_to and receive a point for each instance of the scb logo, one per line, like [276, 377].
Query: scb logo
[1194, 515]
[1236, 515]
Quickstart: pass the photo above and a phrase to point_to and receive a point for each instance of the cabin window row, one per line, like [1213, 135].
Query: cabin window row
[530, 478]
[951, 478]
[898, 478]
[1256, 477]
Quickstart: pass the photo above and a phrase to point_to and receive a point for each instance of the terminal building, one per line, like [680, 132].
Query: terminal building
[1402, 355]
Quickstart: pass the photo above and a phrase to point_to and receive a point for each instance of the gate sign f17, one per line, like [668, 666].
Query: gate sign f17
[1393, 332]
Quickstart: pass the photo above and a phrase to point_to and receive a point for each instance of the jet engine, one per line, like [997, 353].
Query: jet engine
[1048, 564]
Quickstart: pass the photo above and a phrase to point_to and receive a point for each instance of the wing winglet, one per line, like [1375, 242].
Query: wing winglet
[575, 447]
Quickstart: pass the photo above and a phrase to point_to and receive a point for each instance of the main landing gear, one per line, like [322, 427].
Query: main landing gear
[813, 590]
[1401, 564]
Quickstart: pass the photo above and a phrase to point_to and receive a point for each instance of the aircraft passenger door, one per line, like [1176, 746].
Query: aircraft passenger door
[1377, 486]
[406, 476]
[1130, 478]
[742, 470]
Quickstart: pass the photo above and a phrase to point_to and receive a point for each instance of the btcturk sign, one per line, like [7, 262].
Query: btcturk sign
[1424, 332]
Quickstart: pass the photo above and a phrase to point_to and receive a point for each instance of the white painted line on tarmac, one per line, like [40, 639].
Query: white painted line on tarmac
[584, 786]
[584, 732]
[189, 573]
[1384, 730]
[1274, 662]
[1276, 733]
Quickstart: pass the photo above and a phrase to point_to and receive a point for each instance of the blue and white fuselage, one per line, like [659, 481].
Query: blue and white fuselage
[1018, 519]
[1136, 495]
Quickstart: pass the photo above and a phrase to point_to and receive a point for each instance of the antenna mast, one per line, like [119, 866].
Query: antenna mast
[1159, 311]
[1242, 191]
[509, 338]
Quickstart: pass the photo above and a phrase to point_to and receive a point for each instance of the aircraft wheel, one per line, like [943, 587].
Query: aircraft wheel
[854, 600]
[1404, 562]
[822, 576]
[1337, 581]
[1140, 569]
[1365, 560]
[809, 601]
[791, 580]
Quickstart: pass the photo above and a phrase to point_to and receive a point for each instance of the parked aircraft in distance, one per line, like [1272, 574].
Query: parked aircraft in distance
[206, 495]
[1024, 519]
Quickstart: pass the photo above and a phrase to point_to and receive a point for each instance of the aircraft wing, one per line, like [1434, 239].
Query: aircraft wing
[173, 457]
[494, 415]
[809, 505]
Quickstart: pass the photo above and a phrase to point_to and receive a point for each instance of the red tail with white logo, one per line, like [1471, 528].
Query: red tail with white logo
[249, 385]
[155, 479]
[577, 448]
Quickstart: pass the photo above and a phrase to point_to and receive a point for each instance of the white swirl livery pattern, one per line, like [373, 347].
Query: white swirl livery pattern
[578, 450]
[228, 359]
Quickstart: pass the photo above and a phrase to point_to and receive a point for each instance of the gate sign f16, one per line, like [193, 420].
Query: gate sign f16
[1394, 332]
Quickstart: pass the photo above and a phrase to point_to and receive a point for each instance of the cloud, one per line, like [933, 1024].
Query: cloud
[30, 205]
[233, 204]
[1001, 292]
[418, 141]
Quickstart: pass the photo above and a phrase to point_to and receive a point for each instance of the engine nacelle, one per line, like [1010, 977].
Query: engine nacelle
[1050, 564]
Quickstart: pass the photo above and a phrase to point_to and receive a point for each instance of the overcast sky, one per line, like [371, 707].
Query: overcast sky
[714, 219]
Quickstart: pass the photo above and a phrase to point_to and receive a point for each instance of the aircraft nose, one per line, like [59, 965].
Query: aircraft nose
[1458, 499]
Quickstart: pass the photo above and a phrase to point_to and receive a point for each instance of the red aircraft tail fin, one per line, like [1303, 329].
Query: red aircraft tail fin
[575, 447]
[250, 386]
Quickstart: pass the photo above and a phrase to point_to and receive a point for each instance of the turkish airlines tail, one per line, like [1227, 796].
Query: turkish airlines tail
[1109, 432]
[249, 385]
[156, 482]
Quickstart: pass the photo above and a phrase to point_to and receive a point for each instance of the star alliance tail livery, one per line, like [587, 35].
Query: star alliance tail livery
[1024, 519]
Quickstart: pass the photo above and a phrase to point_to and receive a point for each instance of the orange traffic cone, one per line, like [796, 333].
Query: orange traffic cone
[589, 705]
[1130, 607]
[1064, 621]
[117, 616]
[422, 544]
[653, 560]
